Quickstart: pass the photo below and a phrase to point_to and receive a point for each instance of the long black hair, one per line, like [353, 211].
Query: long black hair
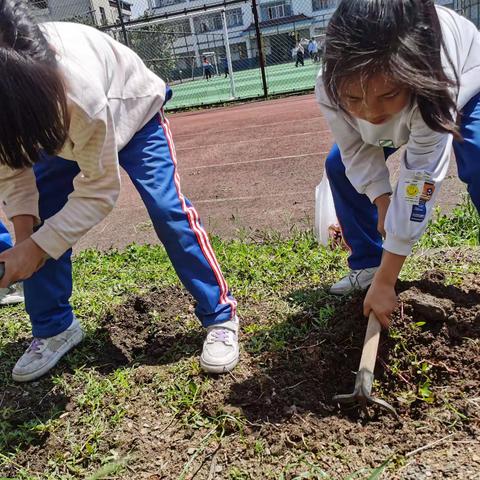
[33, 101]
[401, 39]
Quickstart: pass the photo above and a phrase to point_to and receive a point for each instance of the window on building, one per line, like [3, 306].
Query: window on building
[186, 61]
[39, 3]
[103, 16]
[179, 28]
[208, 23]
[213, 21]
[167, 3]
[234, 17]
[274, 10]
[217, 22]
[125, 5]
[323, 4]
[238, 51]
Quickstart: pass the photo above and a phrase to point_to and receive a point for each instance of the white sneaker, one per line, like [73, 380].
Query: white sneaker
[355, 280]
[12, 295]
[220, 350]
[44, 353]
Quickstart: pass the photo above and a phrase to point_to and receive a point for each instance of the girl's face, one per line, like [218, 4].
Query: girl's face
[376, 101]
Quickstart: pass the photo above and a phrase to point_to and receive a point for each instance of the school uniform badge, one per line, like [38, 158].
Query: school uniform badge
[419, 212]
[419, 189]
[427, 192]
[412, 190]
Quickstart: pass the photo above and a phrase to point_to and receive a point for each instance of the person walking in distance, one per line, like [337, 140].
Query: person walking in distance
[313, 49]
[300, 55]
[207, 68]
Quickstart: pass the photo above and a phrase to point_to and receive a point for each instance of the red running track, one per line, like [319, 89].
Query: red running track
[247, 168]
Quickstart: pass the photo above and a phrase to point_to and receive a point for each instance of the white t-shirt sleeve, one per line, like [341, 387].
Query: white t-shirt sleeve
[422, 171]
[96, 187]
[364, 164]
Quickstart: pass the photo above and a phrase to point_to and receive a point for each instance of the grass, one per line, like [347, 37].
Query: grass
[460, 228]
[76, 414]
[283, 78]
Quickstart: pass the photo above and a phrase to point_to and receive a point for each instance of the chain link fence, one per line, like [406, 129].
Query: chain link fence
[213, 51]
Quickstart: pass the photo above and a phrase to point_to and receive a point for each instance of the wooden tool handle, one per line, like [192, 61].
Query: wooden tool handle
[370, 344]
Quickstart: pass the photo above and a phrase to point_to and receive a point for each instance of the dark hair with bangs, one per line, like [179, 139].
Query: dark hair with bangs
[401, 39]
[33, 101]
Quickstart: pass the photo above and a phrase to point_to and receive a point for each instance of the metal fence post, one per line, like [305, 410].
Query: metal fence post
[228, 54]
[122, 23]
[261, 58]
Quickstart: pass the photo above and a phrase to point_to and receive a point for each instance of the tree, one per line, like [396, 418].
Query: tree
[154, 44]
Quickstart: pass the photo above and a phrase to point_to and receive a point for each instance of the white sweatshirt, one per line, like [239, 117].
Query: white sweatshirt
[111, 96]
[427, 155]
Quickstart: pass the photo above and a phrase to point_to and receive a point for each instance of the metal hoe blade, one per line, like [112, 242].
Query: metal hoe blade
[362, 393]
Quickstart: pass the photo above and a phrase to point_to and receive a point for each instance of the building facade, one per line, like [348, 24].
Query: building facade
[282, 22]
[90, 12]
[188, 37]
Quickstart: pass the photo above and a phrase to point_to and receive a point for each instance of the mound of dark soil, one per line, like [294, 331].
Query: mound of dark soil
[433, 343]
[152, 329]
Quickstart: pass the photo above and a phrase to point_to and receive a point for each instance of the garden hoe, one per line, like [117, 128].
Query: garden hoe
[363, 382]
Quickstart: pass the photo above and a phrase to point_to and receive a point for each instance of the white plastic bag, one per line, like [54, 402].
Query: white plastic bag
[325, 216]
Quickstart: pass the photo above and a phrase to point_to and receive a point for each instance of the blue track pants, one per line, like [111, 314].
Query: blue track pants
[149, 159]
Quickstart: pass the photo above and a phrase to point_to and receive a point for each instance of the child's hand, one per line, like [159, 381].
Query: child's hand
[382, 299]
[21, 262]
[381, 296]
[382, 203]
